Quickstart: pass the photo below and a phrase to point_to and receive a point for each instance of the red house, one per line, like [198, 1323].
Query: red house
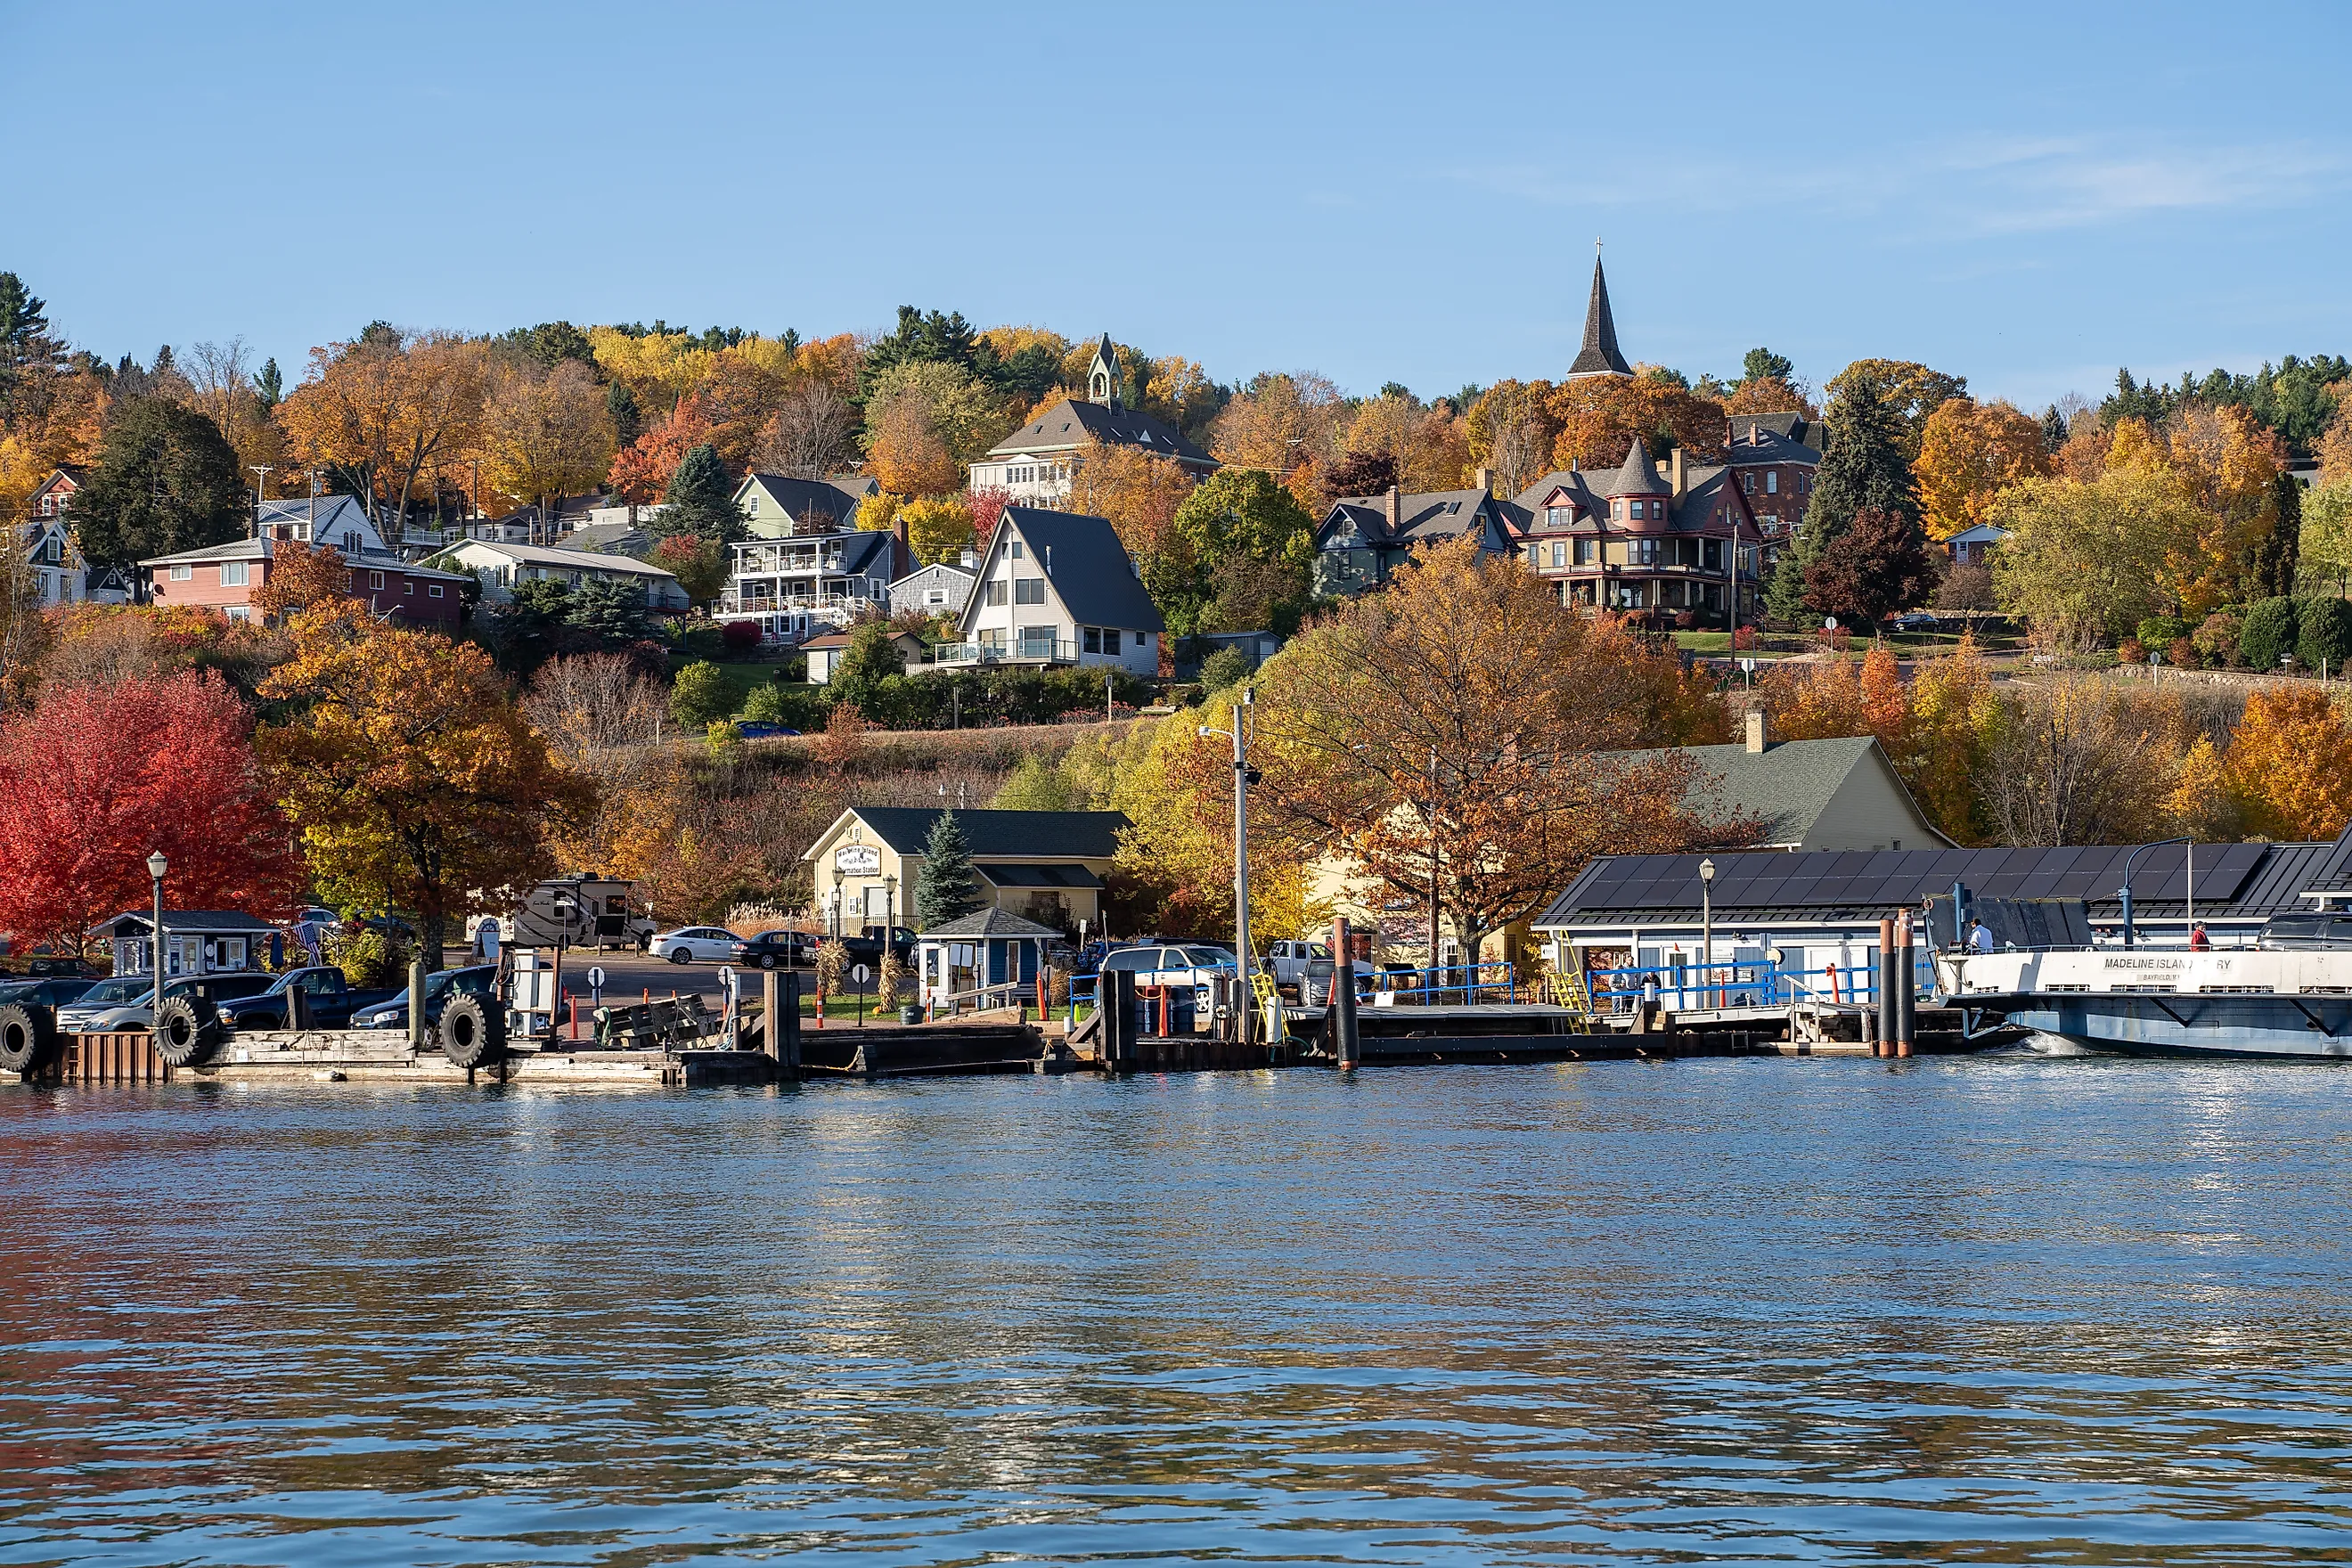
[224, 576]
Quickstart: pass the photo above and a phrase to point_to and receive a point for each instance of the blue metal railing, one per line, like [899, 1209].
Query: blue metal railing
[1753, 983]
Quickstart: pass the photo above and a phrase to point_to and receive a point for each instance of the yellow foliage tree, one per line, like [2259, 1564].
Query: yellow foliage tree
[388, 410]
[1511, 429]
[938, 529]
[546, 433]
[2291, 763]
[411, 776]
[659, 368]
[1969, 453]
[1430, 446]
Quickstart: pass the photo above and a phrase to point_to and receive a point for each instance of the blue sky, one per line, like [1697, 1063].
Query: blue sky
[2025, 194]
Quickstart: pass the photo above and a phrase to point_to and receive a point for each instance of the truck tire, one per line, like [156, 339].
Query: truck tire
[28, 1038]
[471, 1031]
[187, 1030]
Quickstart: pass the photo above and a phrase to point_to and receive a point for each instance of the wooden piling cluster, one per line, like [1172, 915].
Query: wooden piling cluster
[126, 1056]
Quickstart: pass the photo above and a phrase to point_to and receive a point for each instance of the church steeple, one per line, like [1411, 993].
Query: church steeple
[1102, 376]
[1599, 355]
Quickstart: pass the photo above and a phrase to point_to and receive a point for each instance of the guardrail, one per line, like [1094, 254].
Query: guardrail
[1755, 983]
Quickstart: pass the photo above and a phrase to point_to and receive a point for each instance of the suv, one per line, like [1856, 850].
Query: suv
[777, 949]
[329, 998]
[52, 992]
[1308, 964]
[1194, 965]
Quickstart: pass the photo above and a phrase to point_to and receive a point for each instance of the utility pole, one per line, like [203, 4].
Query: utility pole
[1432, 846]
[1243, 777]
[260, 491]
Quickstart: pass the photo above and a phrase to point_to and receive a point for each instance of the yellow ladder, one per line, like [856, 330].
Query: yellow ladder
[1568, 991]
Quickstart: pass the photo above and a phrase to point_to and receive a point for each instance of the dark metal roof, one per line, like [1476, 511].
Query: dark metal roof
[1089, 568]
[1039, 875]
[1005, 834]
[187, 922]
[1600, 355]
[2234, 881]
[2335, 872]
[1074, 421]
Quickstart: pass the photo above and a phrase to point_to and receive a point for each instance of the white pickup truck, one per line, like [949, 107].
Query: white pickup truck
[1294, 963]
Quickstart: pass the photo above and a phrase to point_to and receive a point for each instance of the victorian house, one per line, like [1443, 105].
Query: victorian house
[1033, 465]
[1675, 544]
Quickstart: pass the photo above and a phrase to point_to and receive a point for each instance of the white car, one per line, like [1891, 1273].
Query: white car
[1309, 964]
[1189, 965]
[689, 943]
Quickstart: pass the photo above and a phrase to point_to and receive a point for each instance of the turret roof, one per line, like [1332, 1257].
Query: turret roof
[1600, 355]
[1637, 478]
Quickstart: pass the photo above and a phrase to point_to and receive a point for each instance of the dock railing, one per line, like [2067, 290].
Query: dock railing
[1754, 984]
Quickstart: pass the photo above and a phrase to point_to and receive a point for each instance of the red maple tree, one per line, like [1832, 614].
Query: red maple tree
[98, 775]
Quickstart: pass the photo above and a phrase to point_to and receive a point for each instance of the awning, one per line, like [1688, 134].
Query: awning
[1039, 875]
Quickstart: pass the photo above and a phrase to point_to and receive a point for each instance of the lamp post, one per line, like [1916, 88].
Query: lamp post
[890, 912]
[1244, 776]
[2131, 860]
[156, 867]
[1706, 920]
[836, 903]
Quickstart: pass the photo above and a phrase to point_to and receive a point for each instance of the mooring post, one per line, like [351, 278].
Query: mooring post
[785, 1009]
[1119, 1019]
[1345, 1042]
[1885, 1044]
[1906, 989]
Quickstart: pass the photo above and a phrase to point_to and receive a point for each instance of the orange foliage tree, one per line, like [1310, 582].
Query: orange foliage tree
[1599, 415]
[388, 410]
[299, 577]
[2291, 763]
[1449, 729]
[1969, 453]
[642, 471]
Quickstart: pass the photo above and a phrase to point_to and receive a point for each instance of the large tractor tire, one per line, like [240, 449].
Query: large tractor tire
[187, 1030]
[472, 1031]
[28, 1038]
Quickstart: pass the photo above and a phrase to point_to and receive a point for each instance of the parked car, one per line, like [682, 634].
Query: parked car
[865, 947]
[1194, 965]
[54, 992]
[1309, 962]
[480, 980]
[127, 1000]
[43, 965]
[777, 949]
[687, 944]
[329, 999]
[1917, 621]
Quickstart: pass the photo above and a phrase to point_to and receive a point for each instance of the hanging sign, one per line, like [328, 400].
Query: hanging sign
[858, 860]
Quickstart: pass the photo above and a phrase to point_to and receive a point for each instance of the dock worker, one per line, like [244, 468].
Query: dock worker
[1979, 939]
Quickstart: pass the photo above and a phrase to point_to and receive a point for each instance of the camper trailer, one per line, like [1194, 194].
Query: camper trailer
[575, 911]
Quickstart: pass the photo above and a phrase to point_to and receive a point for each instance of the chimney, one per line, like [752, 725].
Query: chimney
[1485, 481]
[1756, 730]
[1678, 473]
[902, 554]
[1396, 509]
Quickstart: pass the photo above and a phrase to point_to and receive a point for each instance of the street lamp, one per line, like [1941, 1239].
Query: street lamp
[890, 909]
[836, 903]
[1244, 776]
[156, 867]
[1706, 918]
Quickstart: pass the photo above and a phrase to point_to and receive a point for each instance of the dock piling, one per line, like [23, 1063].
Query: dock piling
[1883, 1043]
[1346, 1044]
[1905, 988]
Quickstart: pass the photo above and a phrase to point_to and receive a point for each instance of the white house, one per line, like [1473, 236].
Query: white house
[1056, 587]
[778, 506]
[796, 589]
[502, 566]
[337, 523]
[939, 590]
[1033, 464]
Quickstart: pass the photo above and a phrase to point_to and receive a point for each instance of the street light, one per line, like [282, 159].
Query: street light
[1244, 776]
[837, 902]
[1705, 920]
[890, 909]
[156, 867]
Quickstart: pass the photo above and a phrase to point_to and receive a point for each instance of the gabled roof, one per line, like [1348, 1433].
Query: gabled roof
[1083, 558]
[992, 921]
[1074, 421]
[607, 539]
[969, 575]
[1982, 533]
[334, 511]
[1026, 836]
[1795, 425]
[1759, 445]
[1422, 519]
[1600, 356]
[835, 498]
[133, 923]
[1693, 510]
[1637, 476]
[567, 560]
[73, 474]
[1787, 787]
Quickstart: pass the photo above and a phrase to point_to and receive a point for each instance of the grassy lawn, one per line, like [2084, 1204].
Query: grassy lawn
[739, 678]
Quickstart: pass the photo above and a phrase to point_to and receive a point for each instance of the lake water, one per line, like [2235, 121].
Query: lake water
[2094, 1311]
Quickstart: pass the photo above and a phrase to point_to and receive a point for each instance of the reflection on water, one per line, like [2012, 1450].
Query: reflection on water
[2081, 1311]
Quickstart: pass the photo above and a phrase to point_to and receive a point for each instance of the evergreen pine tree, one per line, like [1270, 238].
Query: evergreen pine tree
[947, 887]
[1863, 468]
[165, 481]
[2054, 428]
[701, 500]
[1763, 364]
[269, 384]
[1784, 595]
[2278, 554]
[621, 405]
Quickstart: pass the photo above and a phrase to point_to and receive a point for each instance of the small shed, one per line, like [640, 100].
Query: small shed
[196, 941]
[988, 947]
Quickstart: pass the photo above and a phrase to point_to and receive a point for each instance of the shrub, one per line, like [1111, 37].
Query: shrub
[2268, 633]
[740, 637]
[2161, 631]
[2131, 652]
[1743, 640]
[1222, 668]
[701, 695]
[2324, 639]
[775, 704]
[371, 960]
[2216, 638]
[2182, 654]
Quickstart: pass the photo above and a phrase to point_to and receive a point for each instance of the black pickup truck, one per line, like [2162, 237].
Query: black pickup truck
[329, 1000]
[866, 946]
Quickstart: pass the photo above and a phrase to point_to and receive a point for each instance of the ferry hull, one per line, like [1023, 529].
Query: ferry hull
[2316, 1027]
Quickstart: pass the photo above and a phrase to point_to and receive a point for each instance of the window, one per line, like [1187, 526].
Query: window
[935, 596]
[376, 579]
[434, 592]
[1559, 516]
[350, 541]
[235, 574]
[231, 950]
[1559, 552]
[1747, 482]
[1645, 552]
[1016, 550]
[999, 592]
[1090, 639]
[183, 574]
[238, 611]
[1038, 642]
[1110, 639]
[1711, 554]
[1587, 552]
[1772, 482]
[1029, 590]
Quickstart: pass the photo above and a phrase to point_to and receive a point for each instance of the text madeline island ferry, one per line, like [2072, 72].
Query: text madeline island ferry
[2259, 1002]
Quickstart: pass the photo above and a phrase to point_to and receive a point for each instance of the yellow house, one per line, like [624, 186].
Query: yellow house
[1043, 866]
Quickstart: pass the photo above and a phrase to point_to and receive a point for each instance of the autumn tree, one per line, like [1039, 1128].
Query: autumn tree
[299, 577]
[97, 776]
[546, 433]
[415, 780]
[606, 720]
[1969, 453]
[2075, 761]
[938, 530]
[1427, 446]
[2291, 763]
[2325, 536]
[642, 469]
[1908, 391]
[1280, 423]
[165, 482]
[1140, 492]
[385, 411]
[1876, 566]
[2089, 560]
[1448, 732]
[702, 566]
[1599, 415]
[1511, 428]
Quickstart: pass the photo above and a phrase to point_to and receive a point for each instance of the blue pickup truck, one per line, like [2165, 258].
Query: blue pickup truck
[328, 1000]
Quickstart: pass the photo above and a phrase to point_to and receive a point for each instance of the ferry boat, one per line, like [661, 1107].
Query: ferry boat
[2290, 996]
